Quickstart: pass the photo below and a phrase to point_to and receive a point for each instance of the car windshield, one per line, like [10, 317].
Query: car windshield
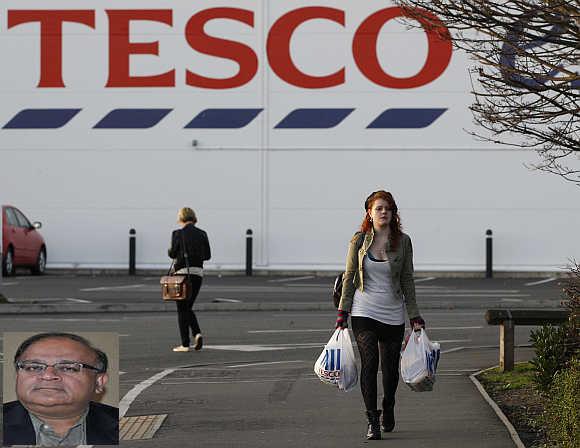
[22, 220]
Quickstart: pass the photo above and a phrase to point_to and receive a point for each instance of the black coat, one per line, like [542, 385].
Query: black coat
[102, 425]
[196, 245]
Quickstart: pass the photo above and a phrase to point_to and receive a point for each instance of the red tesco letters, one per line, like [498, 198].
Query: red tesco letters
[364, 46]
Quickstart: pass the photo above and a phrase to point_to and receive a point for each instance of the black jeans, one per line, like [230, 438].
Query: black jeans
[185, 315]
[376, 339]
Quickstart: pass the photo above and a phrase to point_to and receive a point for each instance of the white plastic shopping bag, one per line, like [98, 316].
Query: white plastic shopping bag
[336, 364]
[419, 362]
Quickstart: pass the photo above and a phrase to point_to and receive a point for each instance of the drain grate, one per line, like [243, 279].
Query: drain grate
[140, 427]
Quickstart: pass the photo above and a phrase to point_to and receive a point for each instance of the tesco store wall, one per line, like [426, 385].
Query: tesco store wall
[280, 117]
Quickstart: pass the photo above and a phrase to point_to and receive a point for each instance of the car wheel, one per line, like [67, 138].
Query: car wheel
[40, 266]
[8, 264]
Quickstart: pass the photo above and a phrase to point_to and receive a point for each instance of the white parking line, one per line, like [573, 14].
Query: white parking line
[262, 348]
[112, 288]
[479, 295]
[547, 280]
[311, 330]
[426, 279]
[447, 341]
[10, 283]
[326, 330]
[261, 364]
[134, 393]
[79, 300]
[454, 349]
[291, 279]
[222, 300]
[470, 291]
[230, 381]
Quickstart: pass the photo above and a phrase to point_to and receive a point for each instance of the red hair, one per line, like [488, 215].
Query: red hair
[394, 225]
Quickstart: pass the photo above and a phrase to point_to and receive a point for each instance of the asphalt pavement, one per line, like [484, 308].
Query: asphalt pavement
[253, 384]
[79, 293]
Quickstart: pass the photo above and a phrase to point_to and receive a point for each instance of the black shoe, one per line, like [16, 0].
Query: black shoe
[374, 429]
[198, 342]
[388, 420]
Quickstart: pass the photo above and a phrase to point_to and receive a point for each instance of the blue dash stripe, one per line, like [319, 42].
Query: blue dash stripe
[132, 118]
[313, 118]
[41, 118]
[223, 118]
[406, 118]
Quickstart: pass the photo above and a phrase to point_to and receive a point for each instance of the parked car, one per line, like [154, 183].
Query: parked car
[22, 243]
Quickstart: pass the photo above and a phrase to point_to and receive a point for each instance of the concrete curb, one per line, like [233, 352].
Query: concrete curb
[70, 308]
[513, 433]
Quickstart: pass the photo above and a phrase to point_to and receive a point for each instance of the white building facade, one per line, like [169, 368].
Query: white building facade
[280, 117]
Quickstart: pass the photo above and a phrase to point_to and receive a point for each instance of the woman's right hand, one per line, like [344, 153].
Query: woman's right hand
[342, 319]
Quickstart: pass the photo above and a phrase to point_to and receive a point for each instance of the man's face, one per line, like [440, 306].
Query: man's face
[55, 394]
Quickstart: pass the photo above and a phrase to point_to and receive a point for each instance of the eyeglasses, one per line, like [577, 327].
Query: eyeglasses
[65, 368]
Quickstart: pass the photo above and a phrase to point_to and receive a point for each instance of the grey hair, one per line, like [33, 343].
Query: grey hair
[102, 360]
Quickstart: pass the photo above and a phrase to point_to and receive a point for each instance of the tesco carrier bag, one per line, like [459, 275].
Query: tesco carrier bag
[336, 364]
[419, 361]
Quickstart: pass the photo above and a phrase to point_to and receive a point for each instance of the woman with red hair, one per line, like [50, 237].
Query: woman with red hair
[377, 289]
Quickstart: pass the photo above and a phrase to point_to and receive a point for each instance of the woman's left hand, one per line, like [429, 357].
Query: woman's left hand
[417, 323]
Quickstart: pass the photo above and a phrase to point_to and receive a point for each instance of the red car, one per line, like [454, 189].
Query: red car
[22, 244]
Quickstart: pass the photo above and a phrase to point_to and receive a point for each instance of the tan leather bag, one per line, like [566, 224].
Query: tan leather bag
[174, 287]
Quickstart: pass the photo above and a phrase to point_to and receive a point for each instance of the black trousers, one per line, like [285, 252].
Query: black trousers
[376, 340]
[185, 315]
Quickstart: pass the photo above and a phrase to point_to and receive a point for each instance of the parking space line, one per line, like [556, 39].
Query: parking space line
[327, 330]
[79, 300]
[426, 279]
[448, 341]
[111, 288]
[291, 279]
[135, 391]
[539, 282]
[451, 350]
[261, 364]
[308, 330]
[263, 348]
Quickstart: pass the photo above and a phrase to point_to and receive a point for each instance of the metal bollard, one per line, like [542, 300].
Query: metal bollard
[132, 239]
[488, 254]
[249, 252]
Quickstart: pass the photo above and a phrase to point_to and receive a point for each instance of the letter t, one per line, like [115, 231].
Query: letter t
[51, 37]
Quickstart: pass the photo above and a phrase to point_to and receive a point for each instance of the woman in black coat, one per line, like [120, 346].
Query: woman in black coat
[189, 248]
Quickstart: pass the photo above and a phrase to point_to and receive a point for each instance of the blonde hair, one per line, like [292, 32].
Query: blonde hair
[186, 214]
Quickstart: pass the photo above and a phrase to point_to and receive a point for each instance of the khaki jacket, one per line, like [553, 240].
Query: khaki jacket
[401, 261]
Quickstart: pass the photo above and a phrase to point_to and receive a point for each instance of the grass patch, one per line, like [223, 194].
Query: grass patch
[516, 394]
[522, 376]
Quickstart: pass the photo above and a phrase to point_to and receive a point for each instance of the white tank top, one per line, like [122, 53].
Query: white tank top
[377, 301]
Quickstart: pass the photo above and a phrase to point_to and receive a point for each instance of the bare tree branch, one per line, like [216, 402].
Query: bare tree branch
[526, 80]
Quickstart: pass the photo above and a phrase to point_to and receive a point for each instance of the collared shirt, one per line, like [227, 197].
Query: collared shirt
[45, 435]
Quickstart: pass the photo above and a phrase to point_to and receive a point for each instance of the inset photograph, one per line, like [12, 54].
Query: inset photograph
[60, 389]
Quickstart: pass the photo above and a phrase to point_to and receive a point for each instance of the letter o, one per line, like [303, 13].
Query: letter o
[364, 48]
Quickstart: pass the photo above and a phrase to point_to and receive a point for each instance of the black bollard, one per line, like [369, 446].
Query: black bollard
[132, 239]
[488, 254]
[249, 252]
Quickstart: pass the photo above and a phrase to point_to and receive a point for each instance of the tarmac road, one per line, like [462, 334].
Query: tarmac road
[253, 385]
[144, 290]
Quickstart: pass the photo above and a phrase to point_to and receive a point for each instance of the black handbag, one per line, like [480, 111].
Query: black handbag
[175, 287]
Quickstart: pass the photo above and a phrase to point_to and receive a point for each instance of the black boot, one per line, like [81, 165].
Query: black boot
[374, 429]
[388, 420]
